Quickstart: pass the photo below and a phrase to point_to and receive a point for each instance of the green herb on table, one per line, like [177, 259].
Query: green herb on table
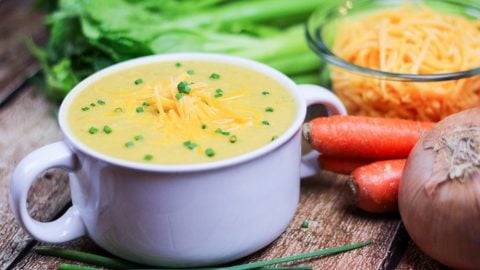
[265, 93]
[100, 102]
[178, 64]
[138, 138]
[92, 104]
[138, 81]
[148, 157]
[139, 109]
[85, 108]
[269, 109]
[218, 93]
[233, 139]
[178, 96]
[265, 123]
[92, 130]
[209, 152]
[305, 224]
[214, 76]
[190, 72]
[274, 138]
[118, 110]
[183, 88]
[145, 104]
[203, 126]
[115, 263]
[190, 145]
[107, 129]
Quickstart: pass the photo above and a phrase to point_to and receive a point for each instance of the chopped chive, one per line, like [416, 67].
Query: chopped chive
[183, 87]
[100, 102]
[218, 93]
[138, 81]
[129, 144]
[107, 129]
[305, 224]
[265, 93]
[209, 152]
[269, 109]
[92, 130]
[138, 138]
[204, 126]
[118, 109]
[139, 109]
[148, 157]
[145, 104]
[214, 76]
[221, 131]
[190, 145]
[85, 108]
[274, 138]
[233, 139]
[178, 96]
[92, 104]
[191, 72]
[265, 123]
[178, 64]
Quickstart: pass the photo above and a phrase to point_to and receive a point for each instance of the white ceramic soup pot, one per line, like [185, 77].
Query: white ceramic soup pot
[175, 215]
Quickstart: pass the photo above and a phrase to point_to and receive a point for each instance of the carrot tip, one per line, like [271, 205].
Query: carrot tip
[306, 132]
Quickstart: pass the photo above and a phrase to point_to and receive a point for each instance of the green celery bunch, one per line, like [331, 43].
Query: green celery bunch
[88, 35]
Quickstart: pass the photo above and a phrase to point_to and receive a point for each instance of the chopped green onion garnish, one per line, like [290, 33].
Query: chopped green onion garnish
[221, 131]
[233, 139]
[107, 129]
[265, 93]
[138, 137]
[274, 138]
[139, 109]
[265, 123]
[100, 102]
[190, 145]
[92, 104]
[178, 64]
[305, 224]
[183, 87]
[148, 157]
[145, 104]
[92, 130]
[138, 81]
[118, 109]
[218, 93]
[214, 76]
[269, 109]
[209, 152]
[85, 108]
[204, 126]
[191, 72]
[128, 144]
[178, 96]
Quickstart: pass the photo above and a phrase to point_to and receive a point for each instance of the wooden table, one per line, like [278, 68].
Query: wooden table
[27, 122]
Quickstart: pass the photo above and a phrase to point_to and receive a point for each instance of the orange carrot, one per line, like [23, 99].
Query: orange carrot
[375, 186]
[363, 136]
[341, 165]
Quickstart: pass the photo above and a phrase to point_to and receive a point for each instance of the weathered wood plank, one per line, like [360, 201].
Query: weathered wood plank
[26, 123]
[19, 21]
[414, 259]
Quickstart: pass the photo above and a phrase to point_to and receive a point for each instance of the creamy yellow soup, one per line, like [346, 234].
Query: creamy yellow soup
[181, 112]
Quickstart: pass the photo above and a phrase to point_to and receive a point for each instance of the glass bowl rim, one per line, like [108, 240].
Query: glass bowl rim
[317, 44]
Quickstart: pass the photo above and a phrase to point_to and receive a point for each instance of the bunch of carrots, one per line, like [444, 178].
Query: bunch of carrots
[373, 151]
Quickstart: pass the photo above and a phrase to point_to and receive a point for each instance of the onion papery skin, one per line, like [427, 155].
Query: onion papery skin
[442, 217]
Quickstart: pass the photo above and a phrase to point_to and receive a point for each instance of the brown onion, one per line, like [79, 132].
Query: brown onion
[439, 196]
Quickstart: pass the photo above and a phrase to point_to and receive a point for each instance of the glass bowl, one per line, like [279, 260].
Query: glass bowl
[375, 91]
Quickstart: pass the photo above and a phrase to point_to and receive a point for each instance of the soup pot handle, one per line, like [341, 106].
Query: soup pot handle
[315, 94]
[69, 226]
